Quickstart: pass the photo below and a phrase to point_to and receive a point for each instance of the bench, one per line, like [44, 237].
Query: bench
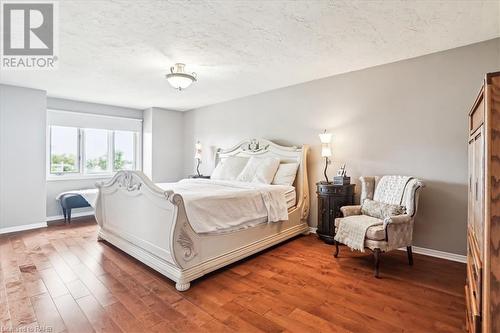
[70, 201]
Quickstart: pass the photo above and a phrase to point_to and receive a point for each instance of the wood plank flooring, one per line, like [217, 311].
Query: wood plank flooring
[60, 279]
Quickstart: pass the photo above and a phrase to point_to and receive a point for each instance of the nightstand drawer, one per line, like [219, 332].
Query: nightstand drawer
[340, 190]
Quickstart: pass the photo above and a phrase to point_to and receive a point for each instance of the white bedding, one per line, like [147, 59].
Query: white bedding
[214, 206]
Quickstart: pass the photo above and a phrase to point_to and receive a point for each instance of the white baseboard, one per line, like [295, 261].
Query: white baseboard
[8, 230]
[24, 227]
[439, 254]
[427, 252]
[77, 214]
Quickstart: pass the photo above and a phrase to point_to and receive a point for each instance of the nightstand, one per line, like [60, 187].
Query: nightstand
[330, 199]
[201, 176]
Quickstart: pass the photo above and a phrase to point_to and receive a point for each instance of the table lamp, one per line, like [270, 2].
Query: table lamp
[197, 157]
[326, 150]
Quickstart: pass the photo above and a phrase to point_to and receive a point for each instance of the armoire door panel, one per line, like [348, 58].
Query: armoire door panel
[478, 188]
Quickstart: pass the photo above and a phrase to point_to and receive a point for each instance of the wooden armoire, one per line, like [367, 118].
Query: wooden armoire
[482, 289]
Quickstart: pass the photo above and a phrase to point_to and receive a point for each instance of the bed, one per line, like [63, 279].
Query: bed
[150, 221]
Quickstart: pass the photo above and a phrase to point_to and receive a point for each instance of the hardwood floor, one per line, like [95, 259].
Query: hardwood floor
[61, 278]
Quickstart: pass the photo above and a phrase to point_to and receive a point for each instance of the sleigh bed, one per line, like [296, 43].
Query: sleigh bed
[151, 223]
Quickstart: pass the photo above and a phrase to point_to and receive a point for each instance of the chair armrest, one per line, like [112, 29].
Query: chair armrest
[398, 231]
[351, 210]
[398, 219]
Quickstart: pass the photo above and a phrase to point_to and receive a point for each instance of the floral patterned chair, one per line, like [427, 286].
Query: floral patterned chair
[389, 232]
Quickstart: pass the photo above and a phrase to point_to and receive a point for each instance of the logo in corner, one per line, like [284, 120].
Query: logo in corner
[29, 35]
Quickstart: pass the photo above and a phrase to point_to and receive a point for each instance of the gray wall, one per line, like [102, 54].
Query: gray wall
[54, 187]
[163, 132]
[408, 117]
[22, 156]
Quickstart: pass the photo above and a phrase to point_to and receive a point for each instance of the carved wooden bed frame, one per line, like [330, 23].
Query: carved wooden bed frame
[151, 224]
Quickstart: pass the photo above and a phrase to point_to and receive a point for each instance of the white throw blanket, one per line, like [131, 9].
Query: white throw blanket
[219, 206]
[391, 189]
[90, 195]
[352, 233]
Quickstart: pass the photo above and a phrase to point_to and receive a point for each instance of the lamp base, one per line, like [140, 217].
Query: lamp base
[199, 177]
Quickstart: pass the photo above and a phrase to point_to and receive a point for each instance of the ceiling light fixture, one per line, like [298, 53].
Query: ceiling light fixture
[178, 78]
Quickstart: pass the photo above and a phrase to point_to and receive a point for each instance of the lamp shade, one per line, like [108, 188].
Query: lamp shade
[326, 150]
[179, 81]
[197, 155]
[178, 78]
[325, 137]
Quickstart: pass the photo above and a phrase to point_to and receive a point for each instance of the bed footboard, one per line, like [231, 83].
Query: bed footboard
[143, 220]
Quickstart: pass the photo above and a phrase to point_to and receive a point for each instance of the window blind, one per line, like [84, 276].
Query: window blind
[90, 120]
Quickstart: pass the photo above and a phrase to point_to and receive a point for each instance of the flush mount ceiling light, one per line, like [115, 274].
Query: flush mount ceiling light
[178, 78]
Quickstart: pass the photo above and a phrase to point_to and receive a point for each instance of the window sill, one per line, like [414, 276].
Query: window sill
[79, 177]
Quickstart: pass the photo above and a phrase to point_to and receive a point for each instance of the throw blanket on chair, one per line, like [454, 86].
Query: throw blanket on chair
[352, 233]
[390, 189]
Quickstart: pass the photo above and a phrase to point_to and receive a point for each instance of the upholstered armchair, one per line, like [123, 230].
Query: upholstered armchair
[385, 233]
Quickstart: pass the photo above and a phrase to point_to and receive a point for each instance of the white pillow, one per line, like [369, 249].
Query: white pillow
[259, 170]
[229, 168]
[286, 174]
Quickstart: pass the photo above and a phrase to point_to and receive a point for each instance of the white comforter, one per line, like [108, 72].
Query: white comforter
[220, 206]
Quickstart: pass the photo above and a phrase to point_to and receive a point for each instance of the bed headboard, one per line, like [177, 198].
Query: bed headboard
[287, 154]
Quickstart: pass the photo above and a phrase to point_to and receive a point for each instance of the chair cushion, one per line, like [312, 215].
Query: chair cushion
[381, 210]
[376, 232]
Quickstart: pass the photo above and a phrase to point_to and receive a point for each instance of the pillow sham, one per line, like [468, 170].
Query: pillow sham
[286, 174]
[381, 210]
[229, 168]
[259, 170]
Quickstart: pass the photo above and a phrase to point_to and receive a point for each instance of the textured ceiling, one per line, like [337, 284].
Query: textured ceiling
[117, 52]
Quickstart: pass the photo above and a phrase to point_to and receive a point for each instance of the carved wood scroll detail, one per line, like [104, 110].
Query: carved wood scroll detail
[186, 243]
[254, 146]
[305, 210]
[128, 182]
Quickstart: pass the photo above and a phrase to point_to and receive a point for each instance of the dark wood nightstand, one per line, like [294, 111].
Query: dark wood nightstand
[330, 199]
[201, 176]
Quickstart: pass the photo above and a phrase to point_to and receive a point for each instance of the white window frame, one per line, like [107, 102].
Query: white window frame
[81, 156]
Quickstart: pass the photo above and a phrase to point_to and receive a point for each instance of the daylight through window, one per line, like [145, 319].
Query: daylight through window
[92, 151]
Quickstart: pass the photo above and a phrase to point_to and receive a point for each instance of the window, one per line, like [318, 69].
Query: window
[96, 156]
[102, 151]
[84, 145]
[64, 150]
[123, 150]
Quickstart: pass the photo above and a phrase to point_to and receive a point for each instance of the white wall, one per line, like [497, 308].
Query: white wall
[408, 118]
[163, 145]
[54, 187]
[23, 119]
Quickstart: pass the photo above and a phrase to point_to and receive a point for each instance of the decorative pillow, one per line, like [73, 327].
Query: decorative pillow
[286, 174]
[229, 168]
[259, 170]
[381, 210]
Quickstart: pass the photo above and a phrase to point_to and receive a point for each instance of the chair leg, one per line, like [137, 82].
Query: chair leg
[376, 255]
[69, 214]
[336, 254]
[64, 214]
[410, 255]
